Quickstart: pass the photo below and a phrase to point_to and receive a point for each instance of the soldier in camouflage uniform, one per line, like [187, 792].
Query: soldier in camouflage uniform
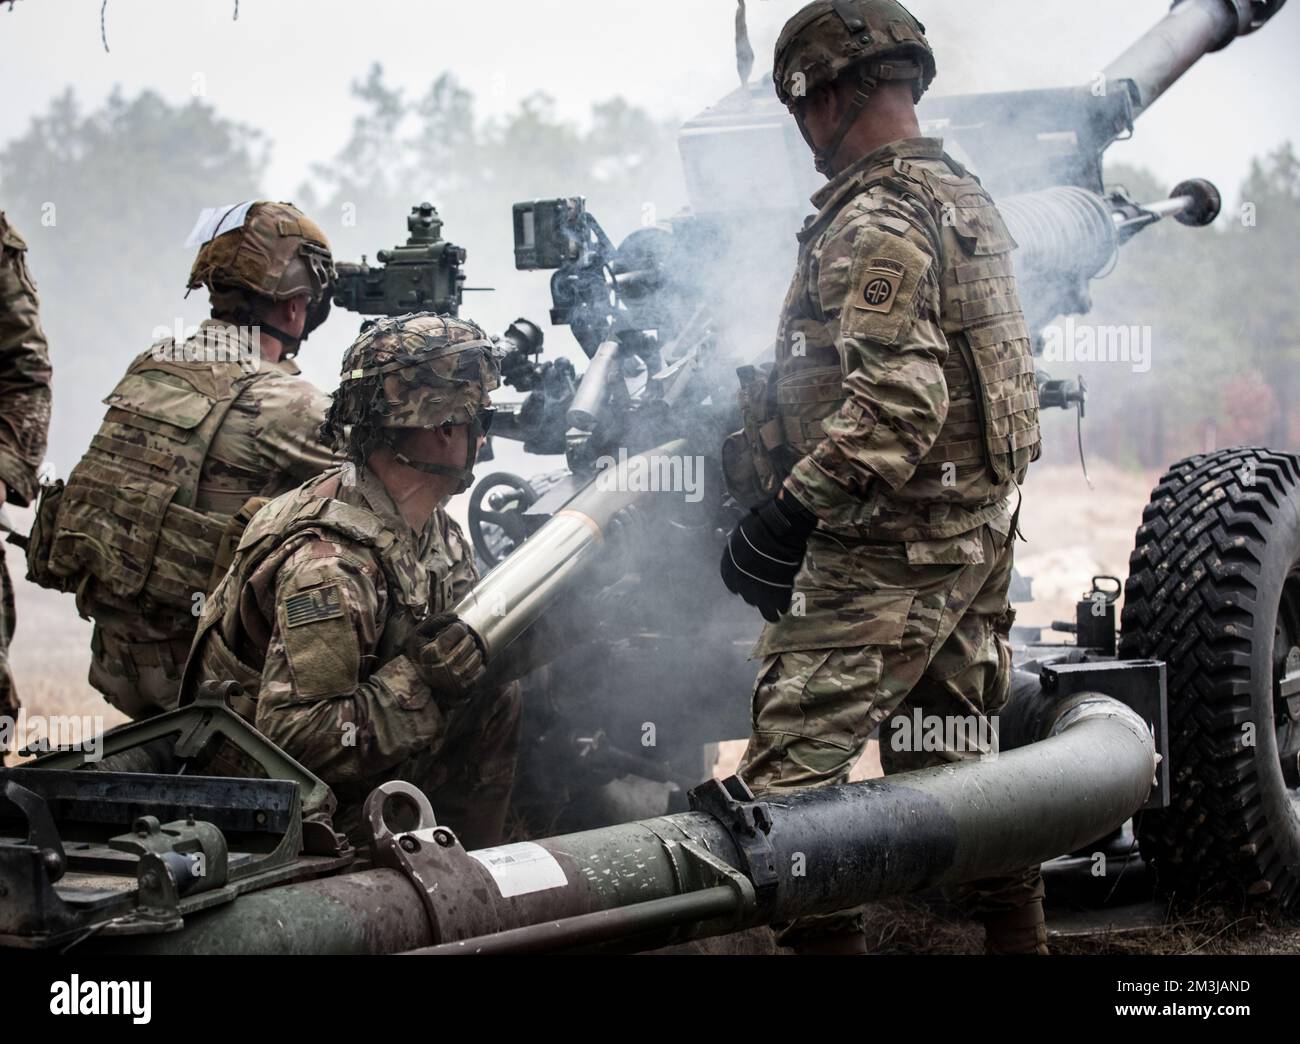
[197, 435]
[334, 615]
[886, 445]
[24, 414]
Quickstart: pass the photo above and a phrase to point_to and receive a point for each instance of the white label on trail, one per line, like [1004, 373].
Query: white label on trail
[521, 868]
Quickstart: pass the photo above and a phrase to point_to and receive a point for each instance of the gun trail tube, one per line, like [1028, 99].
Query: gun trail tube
[831, 848]
[733, 863]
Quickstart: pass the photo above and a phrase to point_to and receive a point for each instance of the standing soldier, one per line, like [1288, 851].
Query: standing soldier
[334, 618]
[195, 433]
[887, 445]
[24, 415]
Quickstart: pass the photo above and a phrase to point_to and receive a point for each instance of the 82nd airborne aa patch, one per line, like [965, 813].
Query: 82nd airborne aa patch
[324, 603]
[880, 282]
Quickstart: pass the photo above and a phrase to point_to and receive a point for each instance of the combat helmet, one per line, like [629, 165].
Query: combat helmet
[421, 370]
[879, 39]
[277, 253]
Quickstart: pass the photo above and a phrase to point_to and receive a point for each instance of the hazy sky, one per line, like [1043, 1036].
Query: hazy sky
[285, 65]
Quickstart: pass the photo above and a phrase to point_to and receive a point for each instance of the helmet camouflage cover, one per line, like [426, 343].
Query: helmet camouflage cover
[277, 253]
[827, 37]
[421, 370]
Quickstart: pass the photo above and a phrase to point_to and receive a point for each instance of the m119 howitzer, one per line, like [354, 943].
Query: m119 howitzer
[1040, 153]
[666, 316]
[105, 859]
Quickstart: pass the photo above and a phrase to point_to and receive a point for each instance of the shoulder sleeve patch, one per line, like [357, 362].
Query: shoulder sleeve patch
[880, 285]
[320, 643]
[324, 603]
[887, 271]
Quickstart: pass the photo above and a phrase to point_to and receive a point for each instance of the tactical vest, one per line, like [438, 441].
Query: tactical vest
[990, 434]
[223, 650]
[992, 419]
[126, 529]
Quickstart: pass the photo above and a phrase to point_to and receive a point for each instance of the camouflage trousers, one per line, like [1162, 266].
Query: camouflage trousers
[8, 693]
[139, 678]
[910, 627]
[467, 775]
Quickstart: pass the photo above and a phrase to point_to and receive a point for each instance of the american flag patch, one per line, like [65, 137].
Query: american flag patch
[325, 603]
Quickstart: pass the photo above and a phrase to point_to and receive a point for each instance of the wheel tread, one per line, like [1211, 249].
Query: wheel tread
[1190, 600]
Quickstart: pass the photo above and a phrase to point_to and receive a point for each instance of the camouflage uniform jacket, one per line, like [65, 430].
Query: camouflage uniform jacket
[24, 372]
[904, 381]
[904, 406]
[193, 432]
[312, 620]
[24, 414]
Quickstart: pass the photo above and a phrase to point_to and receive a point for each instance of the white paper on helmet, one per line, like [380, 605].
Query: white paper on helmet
[213, 221]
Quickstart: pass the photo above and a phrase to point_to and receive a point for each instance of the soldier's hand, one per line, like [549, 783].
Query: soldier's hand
[448, 656]
[764, 553]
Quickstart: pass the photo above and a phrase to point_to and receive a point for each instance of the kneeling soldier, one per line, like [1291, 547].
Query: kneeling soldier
[334, 614]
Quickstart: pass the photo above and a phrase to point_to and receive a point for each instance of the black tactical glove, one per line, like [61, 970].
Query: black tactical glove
[448, 656]
[764, 553]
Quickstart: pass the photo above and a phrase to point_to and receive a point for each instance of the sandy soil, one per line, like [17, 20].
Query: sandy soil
[1073, 533]
[50, 652]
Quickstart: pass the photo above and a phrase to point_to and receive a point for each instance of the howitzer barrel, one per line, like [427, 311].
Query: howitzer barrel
[1186, 34]
[512, 597]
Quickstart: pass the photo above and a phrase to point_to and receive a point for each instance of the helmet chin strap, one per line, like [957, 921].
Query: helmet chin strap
[824, 157]
[464, 476]
[316, 314]
[291, 344]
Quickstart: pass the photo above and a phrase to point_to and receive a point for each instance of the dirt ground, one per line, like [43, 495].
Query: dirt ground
[910, 926]
[1071, 533]
[50, 653]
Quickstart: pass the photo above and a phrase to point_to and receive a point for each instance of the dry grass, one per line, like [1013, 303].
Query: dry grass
[910, 925]
[1204, 930]
[914, 926]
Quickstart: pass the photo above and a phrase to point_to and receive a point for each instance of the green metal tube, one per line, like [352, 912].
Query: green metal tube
[372, 911]
[824, 849]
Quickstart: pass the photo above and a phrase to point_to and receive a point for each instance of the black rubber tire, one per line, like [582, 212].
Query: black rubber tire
[1214, 590]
